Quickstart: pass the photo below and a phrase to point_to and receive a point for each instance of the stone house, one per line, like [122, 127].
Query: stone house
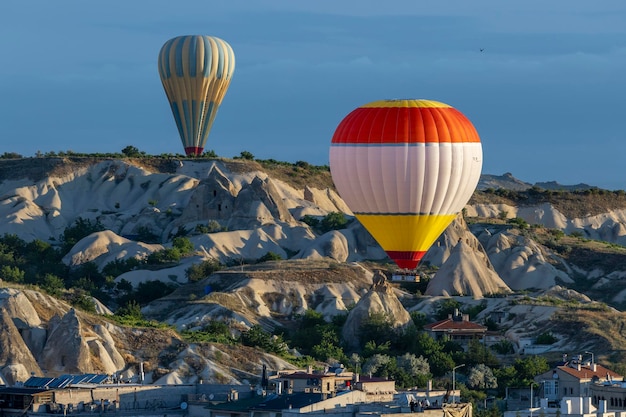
[457, 327]
[573, 379]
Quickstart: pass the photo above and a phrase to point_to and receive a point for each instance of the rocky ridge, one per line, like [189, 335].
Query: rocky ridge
[251, 214]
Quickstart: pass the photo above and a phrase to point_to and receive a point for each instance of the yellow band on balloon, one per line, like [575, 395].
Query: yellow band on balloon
[406, 232]
[405, 103]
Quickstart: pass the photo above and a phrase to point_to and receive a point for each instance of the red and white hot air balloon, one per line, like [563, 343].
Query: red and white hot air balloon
[406, 168]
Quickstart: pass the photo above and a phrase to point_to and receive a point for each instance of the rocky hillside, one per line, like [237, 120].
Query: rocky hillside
[541, 251]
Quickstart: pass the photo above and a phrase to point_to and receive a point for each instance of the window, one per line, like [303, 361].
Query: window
[551, 388]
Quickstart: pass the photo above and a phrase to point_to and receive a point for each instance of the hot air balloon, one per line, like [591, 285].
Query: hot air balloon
[196, 72]
[405, 168]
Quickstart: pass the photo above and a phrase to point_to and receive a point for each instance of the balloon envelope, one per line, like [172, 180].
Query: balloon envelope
[196, 72]
[405, 168]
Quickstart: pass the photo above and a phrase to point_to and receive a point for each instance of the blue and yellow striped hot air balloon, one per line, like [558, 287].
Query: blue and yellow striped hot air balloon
[195, 71]
[406, 168]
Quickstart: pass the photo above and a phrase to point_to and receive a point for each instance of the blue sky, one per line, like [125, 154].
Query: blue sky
[546, 95]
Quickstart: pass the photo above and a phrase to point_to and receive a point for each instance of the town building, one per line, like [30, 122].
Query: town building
[568, 407]
[457, 327]
[573, 378]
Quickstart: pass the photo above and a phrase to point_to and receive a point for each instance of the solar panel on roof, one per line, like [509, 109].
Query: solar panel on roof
[99, 379]
[64, 380]
[37, 382]
[79, 379]
[61, 382]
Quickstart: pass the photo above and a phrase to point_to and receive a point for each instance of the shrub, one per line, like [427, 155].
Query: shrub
[333, 221]
[53, 285]
[503, 347]
[80, 229]
[212, 226]
[184, 245]
[545, 339]
[197, 272]
[310, 220]
[557, 233]
[11, 274]
[151, 290]
[83, 301]
[11, 155]
[215, 331]
[164, 256]
[519, 222]
[269, 256]
[257, 337]
[130, 309]
[245, 155]
[132, 152]
[119, 266]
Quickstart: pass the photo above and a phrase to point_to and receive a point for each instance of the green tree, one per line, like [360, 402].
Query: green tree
[119, 266]
[269, 256]
[11, 155]
[519, 222]
[333, 221]
[245, 155]
[376, 363]
[145, 234]
[132, 152]
[481, 377]
[441, 363]
[419, 319]
[164, 256]
[503, 347]
[198, 272]
[546, 339]
[215, 331]
[88, 272]
[53, 285]
[257, 337]
[378, 327]
[184, 245]
[478, 353]
[12, 274]
[372, 348]
[124, 285]
[312, 221]
[328, 348]
[80, 229]
[131, 309]
[446, 307]
[151, 290]
[507, 376]
[416, 368]
[530, 367]
[426, 346]
[83, 301]
[415, 365]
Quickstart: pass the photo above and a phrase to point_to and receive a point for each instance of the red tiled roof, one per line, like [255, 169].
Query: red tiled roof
[586, 373]
[450, 325]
